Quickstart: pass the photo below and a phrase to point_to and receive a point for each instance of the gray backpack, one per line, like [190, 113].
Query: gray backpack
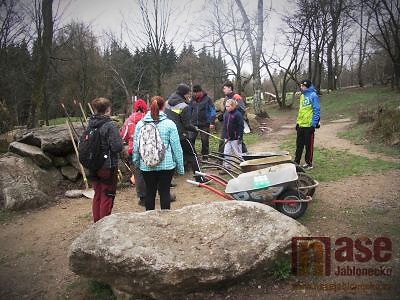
[151, 147]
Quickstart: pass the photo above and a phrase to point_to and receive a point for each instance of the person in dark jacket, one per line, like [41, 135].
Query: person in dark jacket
[104, 180]
[229, 94]
[233, 130]
[178, 111]
[203, 113]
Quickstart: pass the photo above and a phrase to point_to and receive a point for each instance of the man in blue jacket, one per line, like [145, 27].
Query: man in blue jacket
[307, 120]
[202, 116]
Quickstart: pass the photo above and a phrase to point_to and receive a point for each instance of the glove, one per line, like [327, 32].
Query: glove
[197, 128]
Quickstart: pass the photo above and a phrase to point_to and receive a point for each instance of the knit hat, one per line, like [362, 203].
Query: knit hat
[140, 104]
[182, 89]
[306, 83]
[197, 88]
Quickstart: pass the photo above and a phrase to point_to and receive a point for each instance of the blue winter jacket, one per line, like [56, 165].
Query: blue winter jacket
[170, 137]
[202, 112]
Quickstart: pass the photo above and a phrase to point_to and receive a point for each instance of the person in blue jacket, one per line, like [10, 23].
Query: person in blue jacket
[203, 114]
[159, 177]
[307, 120]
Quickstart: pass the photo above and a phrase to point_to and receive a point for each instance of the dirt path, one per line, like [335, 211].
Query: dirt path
[34, 245]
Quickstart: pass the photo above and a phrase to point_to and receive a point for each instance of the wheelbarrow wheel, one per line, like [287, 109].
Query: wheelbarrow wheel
[293, 210]
[306, 180]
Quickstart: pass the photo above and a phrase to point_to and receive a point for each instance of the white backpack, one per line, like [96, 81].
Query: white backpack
[151, 147]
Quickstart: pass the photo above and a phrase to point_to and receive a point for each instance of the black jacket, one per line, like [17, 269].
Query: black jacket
[202, 112]
[178, 111]
[233, 125]
[111, 141]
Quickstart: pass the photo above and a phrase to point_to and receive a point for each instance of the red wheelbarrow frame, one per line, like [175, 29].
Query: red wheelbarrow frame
[226, 196]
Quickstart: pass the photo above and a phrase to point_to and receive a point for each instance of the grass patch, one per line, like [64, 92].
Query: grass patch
[333, 164]
[346, 103]
[83, 288]
[100, 290]
[358, 133]
[60, 121]
[281, 269]
[6, 216]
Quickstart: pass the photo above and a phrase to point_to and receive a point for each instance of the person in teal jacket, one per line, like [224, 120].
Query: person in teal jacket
[159, 177]
[307, 120]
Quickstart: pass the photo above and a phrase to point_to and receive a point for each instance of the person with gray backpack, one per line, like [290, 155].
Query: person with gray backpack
[157, 154]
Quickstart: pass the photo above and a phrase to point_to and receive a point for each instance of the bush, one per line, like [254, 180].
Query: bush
[386, 126]
[365, 116]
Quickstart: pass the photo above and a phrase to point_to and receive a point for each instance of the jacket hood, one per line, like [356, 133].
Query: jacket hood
[98, 120]
[175, 99]
[148, 118]
[310, 90]
[140, 104]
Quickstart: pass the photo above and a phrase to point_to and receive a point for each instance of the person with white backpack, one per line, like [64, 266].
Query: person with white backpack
[157, 153]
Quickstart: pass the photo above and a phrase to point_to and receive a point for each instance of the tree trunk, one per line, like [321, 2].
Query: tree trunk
[329, 62]
[44, 44]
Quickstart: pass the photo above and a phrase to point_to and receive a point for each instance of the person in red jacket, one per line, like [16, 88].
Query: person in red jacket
[127, 132]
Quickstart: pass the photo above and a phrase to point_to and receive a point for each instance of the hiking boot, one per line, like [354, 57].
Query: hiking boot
[141, 201]
[307, 167]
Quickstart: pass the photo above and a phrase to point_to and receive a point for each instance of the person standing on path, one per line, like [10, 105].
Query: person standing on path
[158, 177]
[104, 180]
[307, 120]
[203, 113]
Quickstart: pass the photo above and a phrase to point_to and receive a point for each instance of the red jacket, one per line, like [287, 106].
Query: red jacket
[128, 129]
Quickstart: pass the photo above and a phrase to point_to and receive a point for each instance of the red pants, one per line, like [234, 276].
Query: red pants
[105, 186]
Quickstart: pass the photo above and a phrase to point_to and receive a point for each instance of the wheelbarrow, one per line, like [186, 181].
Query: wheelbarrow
[276, 185]
[306, 183]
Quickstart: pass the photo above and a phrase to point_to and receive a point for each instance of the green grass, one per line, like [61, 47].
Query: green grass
[281, 269]
[83, 288]
[6, 216]
[100, 290]
[346, 103]
[333, 164]
[358, 133]
[60, 121]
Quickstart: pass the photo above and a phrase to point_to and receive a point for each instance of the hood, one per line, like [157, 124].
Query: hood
[175, 99]
[148, 118]
[98, 120]
[140, 104]
[310, 90]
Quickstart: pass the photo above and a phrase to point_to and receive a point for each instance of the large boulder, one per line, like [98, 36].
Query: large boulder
[55, 139]
[23, 184]
[37, 155]
[164, 254]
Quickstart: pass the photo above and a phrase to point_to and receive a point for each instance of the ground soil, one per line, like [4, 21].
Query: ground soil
[34, 245]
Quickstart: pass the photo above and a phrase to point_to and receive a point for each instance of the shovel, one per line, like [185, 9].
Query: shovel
[88, 193]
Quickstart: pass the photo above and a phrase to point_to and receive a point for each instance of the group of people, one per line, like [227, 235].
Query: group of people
[153, 132]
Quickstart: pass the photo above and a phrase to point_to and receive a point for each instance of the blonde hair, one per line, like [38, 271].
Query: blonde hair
[231, 102]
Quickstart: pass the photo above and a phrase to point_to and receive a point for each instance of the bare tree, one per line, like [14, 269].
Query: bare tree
[363, 39]
[386, 23]
[43, 44]
[232, 39]
[255, 43]
[156, 15]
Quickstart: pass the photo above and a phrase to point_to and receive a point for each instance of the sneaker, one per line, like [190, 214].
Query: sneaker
[307, 167]
[202, 179]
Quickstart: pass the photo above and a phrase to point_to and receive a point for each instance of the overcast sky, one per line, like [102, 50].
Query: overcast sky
[106, 15]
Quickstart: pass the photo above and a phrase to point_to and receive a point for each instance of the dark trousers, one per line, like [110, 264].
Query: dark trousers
[205, 144]
[189, 154]
[161, 181]
[305, 137]
[140, 185]
[105, 187]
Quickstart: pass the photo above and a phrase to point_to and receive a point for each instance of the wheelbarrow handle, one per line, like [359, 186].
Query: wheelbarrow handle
[215, 191]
